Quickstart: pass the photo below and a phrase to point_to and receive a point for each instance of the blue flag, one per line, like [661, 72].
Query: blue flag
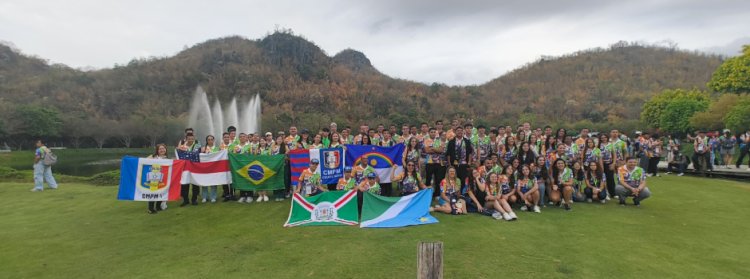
[382, 159]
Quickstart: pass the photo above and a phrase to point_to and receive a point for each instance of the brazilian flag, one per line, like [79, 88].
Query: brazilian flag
[257, 172]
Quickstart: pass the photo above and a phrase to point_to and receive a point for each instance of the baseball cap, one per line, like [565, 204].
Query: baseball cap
[371, 175]
[314, 161]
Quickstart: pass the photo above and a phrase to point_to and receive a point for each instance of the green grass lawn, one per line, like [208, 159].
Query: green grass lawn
[690, 228]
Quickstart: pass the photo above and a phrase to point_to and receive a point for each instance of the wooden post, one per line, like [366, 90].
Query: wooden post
[430, 260]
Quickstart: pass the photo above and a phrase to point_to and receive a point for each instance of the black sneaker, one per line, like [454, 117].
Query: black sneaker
[636, 202]
[567, 207]
[151, 211]
[195, 202]
[184, 203]
[622, 202]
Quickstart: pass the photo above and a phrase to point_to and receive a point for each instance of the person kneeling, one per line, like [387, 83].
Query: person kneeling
[632, 183]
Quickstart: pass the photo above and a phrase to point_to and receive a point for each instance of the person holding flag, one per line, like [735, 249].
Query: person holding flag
[360, 172]
[189, 145]
[368, 185]
[346, 183]
[409, 181]
[159, 153]
[209, 192]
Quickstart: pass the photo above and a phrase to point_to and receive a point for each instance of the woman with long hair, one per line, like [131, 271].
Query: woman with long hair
[542, 176]
[160, 152]
[526, 155]
[411, 154]
[507, 183]
[596, 184]
[509, 150]
[409, 181]
[607, 147]
[209, 192]
[527, 190]
[591, 153]
[562, 184]
[450, 201]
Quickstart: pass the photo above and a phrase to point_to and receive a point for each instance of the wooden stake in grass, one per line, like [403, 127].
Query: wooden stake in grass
[430, 260]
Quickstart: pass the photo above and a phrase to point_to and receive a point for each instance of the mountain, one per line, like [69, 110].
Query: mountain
[299, 83]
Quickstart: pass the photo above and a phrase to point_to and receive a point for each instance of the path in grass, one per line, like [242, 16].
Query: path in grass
[691, 227]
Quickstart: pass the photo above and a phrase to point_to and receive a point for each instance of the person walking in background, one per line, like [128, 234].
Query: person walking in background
[701, 150]
[715, 144]
[42, 172]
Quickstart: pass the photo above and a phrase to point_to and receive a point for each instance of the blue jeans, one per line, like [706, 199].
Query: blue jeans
[208, 192]
[43, 173]
[542, 192]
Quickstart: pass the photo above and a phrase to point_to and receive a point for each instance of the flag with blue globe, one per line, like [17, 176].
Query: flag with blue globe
[257, 172]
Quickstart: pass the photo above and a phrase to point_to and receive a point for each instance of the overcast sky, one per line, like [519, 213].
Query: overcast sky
[453, 42]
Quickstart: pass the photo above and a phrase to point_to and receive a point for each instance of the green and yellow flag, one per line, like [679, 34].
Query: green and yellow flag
[257, 172]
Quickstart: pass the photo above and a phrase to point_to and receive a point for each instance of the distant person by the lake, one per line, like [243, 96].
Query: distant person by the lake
[42, 172]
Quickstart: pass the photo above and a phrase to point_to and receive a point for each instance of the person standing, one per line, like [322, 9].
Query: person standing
[744, 142]
[727, 142]
[460, 153]
[209, 192]
[42, 172]
[159, 153]
[189, 145]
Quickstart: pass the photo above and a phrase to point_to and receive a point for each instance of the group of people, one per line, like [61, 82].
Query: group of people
[489, 170]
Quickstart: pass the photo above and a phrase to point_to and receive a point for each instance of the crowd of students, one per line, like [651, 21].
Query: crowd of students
[488, 170]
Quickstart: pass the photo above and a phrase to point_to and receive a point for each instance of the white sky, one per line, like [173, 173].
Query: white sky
[452, 42]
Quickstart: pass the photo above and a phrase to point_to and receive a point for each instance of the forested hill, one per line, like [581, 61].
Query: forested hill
[300, 83]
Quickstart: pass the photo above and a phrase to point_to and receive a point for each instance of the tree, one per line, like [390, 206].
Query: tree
[125, 131]
[675, 118]
[75, 129]
[733, 76]
[653, 108]
[738, 118]
[713, 117]
[29, 122]
[100, 129]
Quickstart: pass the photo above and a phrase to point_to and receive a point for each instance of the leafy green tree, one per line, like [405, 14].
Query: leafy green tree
[675, 118]
[738, 118]
[733, 76]
[713, 117]
[654, 108]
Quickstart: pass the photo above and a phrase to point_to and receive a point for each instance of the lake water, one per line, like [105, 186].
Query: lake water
[77, 162]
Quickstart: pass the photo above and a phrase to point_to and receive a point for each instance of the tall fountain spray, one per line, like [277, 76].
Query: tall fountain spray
[208, 120]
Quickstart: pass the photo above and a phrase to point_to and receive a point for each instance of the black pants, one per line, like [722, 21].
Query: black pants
[436, 172]
[707, 158]
[332, 187]
[288, 178]
[462, 171]
[679, 166]
[743, 152]
[246, 194]
[653, 165]
[228, 191]
[386, 189]
[154, 205]
[360, 198]
[610, 174]
[185, 192]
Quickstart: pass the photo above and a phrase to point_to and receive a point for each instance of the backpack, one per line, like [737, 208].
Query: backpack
[49, 158]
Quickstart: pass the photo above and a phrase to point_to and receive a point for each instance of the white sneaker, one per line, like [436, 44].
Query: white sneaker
[265, 198]
[603, 201]
[607, 197]
[249, 200]
[513, 216]
[36, 190]
[163, 205]
[260, 199]
[203, 201]
[537, 210]
[589, 200]
[497, 215]
[241, 200]
[507, 217]
[681, 174]
[524, 208]
[213, 201]
[551, 203]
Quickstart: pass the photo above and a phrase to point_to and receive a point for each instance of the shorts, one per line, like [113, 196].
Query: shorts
[524, 190]
[727, 151]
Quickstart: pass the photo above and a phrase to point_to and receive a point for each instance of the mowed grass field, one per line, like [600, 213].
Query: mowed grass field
[690, 228]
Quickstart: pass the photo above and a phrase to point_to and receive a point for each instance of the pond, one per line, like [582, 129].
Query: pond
[77, 162]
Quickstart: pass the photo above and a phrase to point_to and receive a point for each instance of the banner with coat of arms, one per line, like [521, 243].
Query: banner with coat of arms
[335, 208]
[143, 179]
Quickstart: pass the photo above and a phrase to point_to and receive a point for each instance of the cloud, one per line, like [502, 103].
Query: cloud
[446, 41]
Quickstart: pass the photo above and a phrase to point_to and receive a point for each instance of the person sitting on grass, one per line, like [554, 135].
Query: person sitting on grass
[527, 190]
[507, 186]
[632, 183]
[562, 184]
[450, 189]
[596, 184]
